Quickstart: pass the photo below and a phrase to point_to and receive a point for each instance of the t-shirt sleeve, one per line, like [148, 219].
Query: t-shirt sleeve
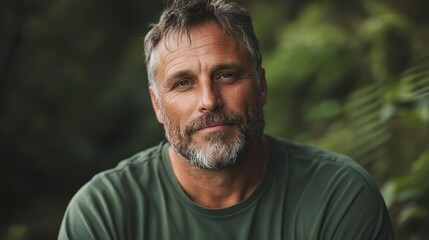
[87, 216]
[363, 214]
[339, 202]
[332, 197]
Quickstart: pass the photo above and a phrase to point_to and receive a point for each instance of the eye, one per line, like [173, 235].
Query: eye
[182, 84]
[227, 77]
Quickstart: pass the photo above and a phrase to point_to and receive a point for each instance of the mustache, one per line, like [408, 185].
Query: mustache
[212, 118]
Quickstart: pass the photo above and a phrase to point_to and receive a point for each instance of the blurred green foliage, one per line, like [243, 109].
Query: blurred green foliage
[351, 76]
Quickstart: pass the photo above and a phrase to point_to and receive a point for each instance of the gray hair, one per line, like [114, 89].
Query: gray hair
[182, 15]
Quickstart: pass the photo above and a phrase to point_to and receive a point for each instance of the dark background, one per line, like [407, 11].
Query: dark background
[351, 76]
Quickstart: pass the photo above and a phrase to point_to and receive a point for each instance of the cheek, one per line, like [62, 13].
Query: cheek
[175, 115]
[243, 97]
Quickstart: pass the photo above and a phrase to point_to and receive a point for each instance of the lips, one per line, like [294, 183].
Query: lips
[214, 125]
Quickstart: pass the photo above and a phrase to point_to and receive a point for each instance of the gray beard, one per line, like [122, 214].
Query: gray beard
[217, 155]
[218, 151]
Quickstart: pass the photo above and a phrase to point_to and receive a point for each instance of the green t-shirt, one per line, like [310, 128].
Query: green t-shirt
[307, 193]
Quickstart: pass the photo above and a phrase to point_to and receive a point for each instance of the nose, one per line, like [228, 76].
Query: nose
[210, 98]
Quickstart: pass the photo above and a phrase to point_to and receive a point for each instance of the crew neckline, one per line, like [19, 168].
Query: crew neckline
[180, 194]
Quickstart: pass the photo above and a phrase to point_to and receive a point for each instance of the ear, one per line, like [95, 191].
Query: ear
[155, 105]
[264, 87]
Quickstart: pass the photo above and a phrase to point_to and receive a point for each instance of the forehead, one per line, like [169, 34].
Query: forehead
[205, 41]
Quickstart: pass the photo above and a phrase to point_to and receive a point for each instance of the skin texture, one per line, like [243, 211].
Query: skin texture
[208, 92]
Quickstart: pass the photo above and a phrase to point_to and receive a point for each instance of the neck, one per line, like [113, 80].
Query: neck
[221, 188]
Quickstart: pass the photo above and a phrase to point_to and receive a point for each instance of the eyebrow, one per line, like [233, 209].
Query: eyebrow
[232, 65]
[177, 75]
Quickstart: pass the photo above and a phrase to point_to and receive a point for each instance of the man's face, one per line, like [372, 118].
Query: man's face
[208, 96]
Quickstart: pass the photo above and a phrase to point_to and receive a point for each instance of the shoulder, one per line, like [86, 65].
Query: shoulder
[144, 162]
[113, 195]
[333, 192]
[308, 151]
[315, 160]
[144, 159]
[133, 171]
[129, 177]
[314, 172]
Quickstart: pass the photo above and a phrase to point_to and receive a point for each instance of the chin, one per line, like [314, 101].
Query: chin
[216, 154]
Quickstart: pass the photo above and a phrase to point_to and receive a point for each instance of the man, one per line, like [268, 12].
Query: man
[218, 176]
